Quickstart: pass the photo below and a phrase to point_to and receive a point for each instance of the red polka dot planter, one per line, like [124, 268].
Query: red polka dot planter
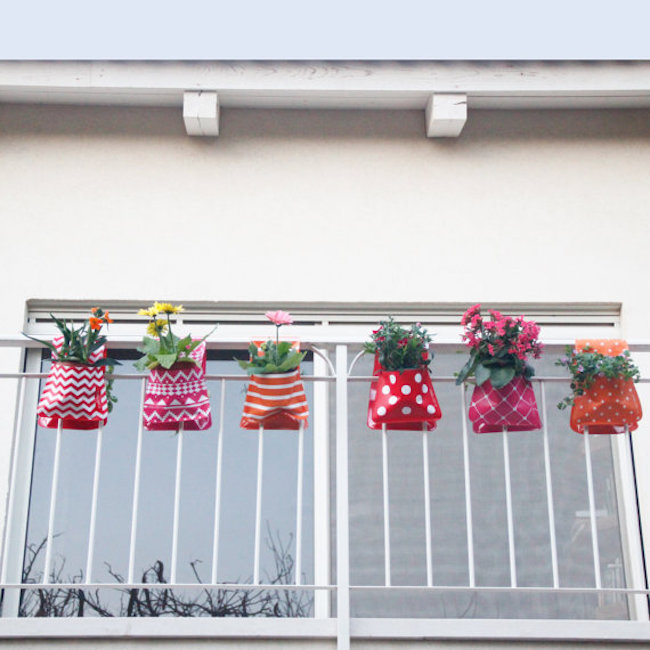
[403, 399]
[611, 405]
[512, 407]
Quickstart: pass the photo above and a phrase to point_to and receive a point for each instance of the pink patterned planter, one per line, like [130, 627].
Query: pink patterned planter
[512, 407]
[74, 394]
[178, 395]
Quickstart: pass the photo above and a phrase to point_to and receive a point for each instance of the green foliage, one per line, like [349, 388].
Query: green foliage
[398, 348]
[79, 343]
[587, 365]
[163, 347]
[275, 357]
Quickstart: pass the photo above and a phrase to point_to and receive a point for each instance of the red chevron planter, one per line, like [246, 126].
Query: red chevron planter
[178, 395]
[402, 399]
[275, 401]
[512, 407]
[74, 395]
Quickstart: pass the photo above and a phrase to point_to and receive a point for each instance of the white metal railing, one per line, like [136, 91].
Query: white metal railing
[338, 373]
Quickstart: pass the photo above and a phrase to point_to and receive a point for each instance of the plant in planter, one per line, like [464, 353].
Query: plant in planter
[603, 397]
[402, 396]
[77, 394]
[275, 398]
[500, 346]
[176, 391]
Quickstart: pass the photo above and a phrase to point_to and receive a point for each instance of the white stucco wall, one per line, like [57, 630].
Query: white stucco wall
[118, 203]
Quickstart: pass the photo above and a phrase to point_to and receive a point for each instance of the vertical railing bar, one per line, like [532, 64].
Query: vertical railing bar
[468, 493]
[53, 491]
[136, 485]
[384, 471]
[301, 445]
[18, 419]
[258, 507]
[511, 528]
[342, 503]
[217, 498]
[177, 501]
[93, 506]
[592, 509]
[427, 503]
[549, 491]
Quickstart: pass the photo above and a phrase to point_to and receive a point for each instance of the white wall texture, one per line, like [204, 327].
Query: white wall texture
[118, 203]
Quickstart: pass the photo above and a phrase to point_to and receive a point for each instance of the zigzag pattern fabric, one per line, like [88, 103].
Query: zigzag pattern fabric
[178, 395]
[610, 405]
[74, 395]
[512, 407]
[275, 401]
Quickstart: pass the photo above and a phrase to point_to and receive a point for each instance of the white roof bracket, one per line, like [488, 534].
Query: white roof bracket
[445, 115]
[201, 113]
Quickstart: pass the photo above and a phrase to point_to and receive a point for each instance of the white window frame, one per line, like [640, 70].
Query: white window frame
[333, 328]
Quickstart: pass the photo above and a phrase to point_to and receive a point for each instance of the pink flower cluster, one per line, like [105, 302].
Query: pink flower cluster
[500, 336]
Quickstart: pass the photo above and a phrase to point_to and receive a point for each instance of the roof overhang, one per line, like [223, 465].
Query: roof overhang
[331, 85]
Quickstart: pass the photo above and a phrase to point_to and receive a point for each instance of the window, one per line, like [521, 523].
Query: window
[490, 556]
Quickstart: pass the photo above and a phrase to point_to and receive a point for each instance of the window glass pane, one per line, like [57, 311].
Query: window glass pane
[489, 518]
[156, 506]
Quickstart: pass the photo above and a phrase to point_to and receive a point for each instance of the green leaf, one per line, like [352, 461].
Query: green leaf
[501, 376]
[166, 360]
[466, 371]
[482, 374]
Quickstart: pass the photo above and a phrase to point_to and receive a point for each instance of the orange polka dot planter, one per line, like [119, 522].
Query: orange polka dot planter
[611, 405]
[402, 399]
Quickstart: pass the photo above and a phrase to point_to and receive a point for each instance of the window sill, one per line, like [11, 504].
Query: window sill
[361, 629]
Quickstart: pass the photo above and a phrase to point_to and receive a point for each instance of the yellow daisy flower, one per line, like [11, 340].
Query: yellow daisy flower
[168, 308]
[151, 312]
[157, 327]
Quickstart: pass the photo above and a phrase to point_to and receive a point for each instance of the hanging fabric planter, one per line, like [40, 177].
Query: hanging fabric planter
[401, 395]
[275, 400]
[512, 407]
[178, 394]
[402, 399]
[74, 393]
[611, 404]
[503, 398]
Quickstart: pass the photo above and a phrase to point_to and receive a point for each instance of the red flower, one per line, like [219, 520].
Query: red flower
[95, 323]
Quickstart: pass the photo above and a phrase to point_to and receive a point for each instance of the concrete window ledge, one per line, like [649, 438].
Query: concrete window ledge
[267, 633]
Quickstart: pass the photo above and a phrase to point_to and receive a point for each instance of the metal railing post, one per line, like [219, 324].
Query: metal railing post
[342, 503]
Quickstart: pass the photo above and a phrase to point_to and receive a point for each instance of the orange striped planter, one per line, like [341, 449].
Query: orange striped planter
[275, 401]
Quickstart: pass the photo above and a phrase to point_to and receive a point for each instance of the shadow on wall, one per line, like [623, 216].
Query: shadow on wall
[246, 124]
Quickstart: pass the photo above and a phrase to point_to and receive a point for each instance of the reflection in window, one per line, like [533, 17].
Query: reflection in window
[156, 503]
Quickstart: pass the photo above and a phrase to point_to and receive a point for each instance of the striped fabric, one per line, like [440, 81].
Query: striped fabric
[74, 395]
[275, 401]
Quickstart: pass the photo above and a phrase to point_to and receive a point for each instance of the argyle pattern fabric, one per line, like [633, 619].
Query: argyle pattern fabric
[512, 407]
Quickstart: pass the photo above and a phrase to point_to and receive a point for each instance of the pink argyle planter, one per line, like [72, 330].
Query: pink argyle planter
[178, 395]
[512, 407]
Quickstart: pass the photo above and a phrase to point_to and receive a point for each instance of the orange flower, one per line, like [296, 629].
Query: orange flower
[95, 323]
[94, 310]
[107, 318]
